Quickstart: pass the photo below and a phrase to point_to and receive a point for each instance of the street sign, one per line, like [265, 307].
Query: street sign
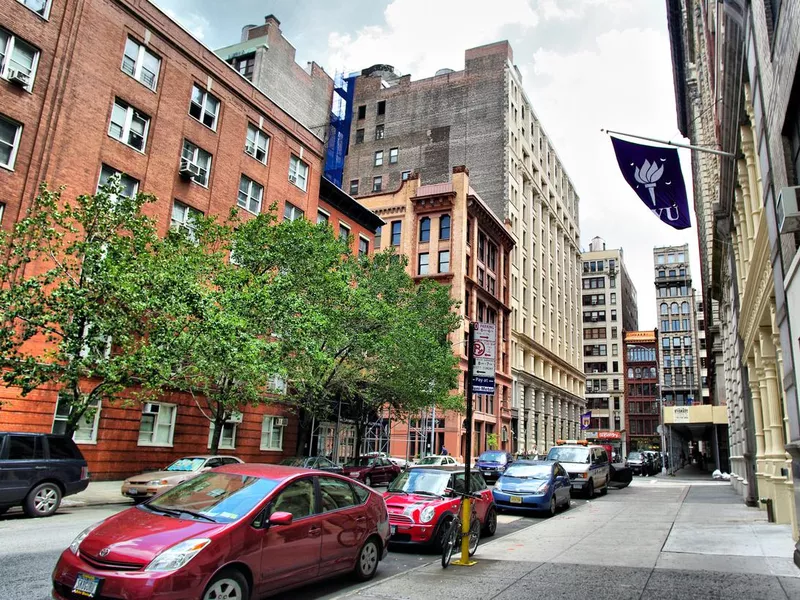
[680, 414]
[485, 352]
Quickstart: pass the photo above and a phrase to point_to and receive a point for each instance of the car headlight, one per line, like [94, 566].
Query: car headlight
[426, 515]
[177, 556]
[497, 485]
[544, 489]
[158, 482]
[82, 536]
[583, 475]
[355, 474]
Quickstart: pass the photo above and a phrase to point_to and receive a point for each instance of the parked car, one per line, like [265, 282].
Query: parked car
[492, 463]
[320, 463]
[637, 463]
[437, 460]
[372, 470]
[400, 462]
[588, 466]
[146, 485]
[533, 485]
[37, 470]
[656, 460]
[422, 502]
[205, 538]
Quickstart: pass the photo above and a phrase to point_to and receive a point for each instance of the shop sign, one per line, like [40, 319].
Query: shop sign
[680, 414]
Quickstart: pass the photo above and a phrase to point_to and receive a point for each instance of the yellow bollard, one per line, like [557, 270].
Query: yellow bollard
[466, 513]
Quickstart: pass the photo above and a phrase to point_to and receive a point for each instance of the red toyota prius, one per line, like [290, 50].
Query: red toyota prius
[237, 532]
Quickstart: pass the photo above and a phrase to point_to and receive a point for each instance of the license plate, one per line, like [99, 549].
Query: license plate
[394, 529]
[516, 499]
[133, 492]
[86, 585]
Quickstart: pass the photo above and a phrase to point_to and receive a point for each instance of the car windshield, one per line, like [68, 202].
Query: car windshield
[222, 497]
[635, 456]
[493, 457]
[430, 460]
[529, 471]
[421, 481]
[296, 461]
[186, 464]
[570, 455]
[363, 461]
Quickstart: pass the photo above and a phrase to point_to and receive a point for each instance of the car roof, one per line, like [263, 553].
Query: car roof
[442, 468]
[533, 462]
[274, 472]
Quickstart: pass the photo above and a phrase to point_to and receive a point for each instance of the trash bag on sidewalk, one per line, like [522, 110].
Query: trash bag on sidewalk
[726, 477]
[717, 474]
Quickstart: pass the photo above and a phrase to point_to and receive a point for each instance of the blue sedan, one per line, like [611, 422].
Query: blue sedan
[533, 485]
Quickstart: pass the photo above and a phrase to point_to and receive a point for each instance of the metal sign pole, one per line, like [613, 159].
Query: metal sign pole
[466, 504]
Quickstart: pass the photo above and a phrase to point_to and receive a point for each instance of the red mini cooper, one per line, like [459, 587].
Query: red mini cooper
[422, 500]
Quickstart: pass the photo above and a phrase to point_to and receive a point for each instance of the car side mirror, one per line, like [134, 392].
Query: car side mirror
[280, 518]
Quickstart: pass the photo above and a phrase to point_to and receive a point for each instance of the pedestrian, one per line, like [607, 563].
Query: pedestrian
[444, 451]
[683, 459]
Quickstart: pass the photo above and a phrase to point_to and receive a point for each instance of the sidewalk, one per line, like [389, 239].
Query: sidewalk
[98, 492]
[656, 540]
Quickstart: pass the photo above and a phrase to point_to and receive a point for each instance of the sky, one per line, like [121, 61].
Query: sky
[587, 65]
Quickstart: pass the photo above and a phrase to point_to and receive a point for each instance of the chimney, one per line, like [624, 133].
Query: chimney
[246, 32]
[272, 20]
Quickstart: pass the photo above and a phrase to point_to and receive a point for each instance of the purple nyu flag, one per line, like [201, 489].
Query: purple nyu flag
[655, 175]
[586, 420]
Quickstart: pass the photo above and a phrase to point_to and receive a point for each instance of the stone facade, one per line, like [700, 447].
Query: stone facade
[481, 117]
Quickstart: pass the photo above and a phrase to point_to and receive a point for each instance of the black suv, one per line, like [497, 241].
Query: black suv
[37, 470]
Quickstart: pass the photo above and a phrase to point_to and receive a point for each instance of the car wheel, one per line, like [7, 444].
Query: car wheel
[590, 489]
[568, 503]
[604, 491]
[367, 562]
[138, 500]
[441, 534]
[229, 584]
[551, 510]
[368, 481]
[490, 526]
[43, 500]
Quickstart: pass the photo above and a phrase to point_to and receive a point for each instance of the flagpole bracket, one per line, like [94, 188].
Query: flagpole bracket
[668, 143]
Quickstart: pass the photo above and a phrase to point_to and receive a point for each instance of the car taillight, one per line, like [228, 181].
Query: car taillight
[84, 472]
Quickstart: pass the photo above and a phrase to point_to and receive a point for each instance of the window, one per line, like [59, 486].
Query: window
[322, 217]
[2, 211]
[129, 185]
[344, 232]
[382, 107]
[362, 111]
[396, 229]
[85, 428]
[157, 425]
[393, 155]
[425, 229]
[204, 107]
[363, 246]
[379, 132]
[128, 125]
[183, 218]
[18, 60]
[25, 447]
[250, 195]
[405, 175]
[197, 162]
[257, 144]
[359, 136]
[297, 499]
[378, 236]
[444, 227]
[444, 261]
[335, 494]
[245, 66]
[422, 264]
[272, 432]
[613, 297]
[378, 158]
[354, 187]
[227, 438]
[377, 183]
[298, 172]
[40, 7]
[141, 64]
[291, 212]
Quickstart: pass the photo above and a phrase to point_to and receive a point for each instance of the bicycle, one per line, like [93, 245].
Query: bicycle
[453, 537]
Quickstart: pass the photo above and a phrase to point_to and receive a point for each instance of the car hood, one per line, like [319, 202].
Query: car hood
[172, 477]
[136, 536]
[518, 484]
[407, 503]
[575, 467]
[489, 463]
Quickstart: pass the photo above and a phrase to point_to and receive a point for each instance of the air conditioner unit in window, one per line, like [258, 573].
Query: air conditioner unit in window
[293, 178]
[250, 149]
[787, 214]
[188, 169]
[281, 421]
[149, 407]
[19, 77]
[235, 418]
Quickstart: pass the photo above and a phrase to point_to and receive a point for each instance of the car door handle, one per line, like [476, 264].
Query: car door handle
[314, 531]
[360, 519]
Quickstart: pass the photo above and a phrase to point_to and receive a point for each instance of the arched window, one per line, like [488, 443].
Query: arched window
[638, 373]
[685, 308]
[444, 227]
[664, 308]
[425, 230]
[630, 373]
[653, 373]
[674, 308]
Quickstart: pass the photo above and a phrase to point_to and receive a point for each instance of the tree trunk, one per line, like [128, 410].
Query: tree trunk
[361, 425]
[219, 423]
[303, 433]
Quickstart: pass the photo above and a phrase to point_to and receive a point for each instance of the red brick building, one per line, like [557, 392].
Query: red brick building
[93, 87]
[642, 410]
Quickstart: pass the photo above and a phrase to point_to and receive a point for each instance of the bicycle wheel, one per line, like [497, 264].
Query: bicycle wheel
[474, 534]
[450, 540]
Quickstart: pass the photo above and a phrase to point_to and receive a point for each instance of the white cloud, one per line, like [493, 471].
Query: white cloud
[184, 14]
[421, 36]
[623, 84]
[564, 10]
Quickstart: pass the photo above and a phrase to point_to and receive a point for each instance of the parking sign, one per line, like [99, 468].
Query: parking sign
[485, 353]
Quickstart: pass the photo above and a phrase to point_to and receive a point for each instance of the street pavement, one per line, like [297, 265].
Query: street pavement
[29, 548]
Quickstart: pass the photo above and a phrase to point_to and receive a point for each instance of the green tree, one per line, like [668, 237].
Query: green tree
[73, 282]
[491, 441]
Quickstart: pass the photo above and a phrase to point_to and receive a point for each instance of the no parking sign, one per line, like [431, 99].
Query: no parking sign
[485, 353]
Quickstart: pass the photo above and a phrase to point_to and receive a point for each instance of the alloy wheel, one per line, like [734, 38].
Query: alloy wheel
[45, 499]
[369, 559]
[224, 589]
